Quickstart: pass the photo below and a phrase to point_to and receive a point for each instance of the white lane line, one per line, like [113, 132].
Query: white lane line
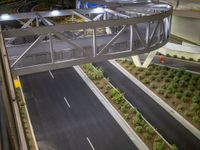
[90, 143]
[67, 102]
[51, 74]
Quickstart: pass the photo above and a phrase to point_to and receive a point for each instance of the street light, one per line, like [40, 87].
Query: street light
[5, 16]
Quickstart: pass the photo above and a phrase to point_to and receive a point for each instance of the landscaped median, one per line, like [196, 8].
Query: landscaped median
[135, 120]
[29, 135]
[178, 88]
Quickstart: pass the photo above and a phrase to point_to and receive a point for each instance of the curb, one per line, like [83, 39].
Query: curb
[28, 117]
[158, 100]
[123, 124]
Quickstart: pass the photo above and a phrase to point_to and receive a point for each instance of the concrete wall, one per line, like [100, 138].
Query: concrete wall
[187, 28]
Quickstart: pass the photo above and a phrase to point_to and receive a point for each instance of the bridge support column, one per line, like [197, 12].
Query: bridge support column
[147, 62]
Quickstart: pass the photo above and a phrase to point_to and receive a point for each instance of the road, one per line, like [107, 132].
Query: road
[169, 128]
[67, 123]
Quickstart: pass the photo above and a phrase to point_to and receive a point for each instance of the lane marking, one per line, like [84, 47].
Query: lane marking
[67, 102]
[51, 74]
[90, 143]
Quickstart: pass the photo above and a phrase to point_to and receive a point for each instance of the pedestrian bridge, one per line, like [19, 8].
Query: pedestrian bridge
[62, 38]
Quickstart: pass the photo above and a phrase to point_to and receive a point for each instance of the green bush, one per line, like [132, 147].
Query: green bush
[147, 136]
[158, 145]
[130, 62]
[152, 85]
[194, 107]
[146, 81]
[149, 129]
[196, 119]
[180, 107]
[188, 113]
[140, 69]
[155, 73]
[147, 73]
[187, 93]
[191, 87]
[178, 95]
[152, 78]
[141, 77]
[174, 147]
[138, 129]
[160, 91]
[198, 60]
[184, 98]
[167, 80]
[175, 56]
[168, 55]
[118, 98]
[196, 99]
[191, 59]
[124, 107]
[126, 116]
[182, 57]
[138, 119]
[114, 92]
[176, 79]
[166, 95]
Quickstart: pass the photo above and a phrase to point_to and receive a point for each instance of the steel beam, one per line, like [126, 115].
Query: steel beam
[112, 40]
[39, 39]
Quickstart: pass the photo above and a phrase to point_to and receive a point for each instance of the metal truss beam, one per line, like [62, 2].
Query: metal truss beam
[112, 40]
[39, 39]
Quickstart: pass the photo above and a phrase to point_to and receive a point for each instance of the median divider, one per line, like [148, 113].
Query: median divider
[120, 120]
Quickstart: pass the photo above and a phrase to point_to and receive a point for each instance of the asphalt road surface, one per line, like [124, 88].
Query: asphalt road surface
[66, 115]
[169, 128]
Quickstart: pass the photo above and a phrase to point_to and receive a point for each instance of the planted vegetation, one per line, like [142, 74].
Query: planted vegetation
[127, 111]
[178, 88]
[25, 123]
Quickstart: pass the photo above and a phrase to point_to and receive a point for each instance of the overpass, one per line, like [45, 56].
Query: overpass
[42, 44]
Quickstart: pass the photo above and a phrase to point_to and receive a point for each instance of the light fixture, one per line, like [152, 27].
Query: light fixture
[55, 13]
[5, 16]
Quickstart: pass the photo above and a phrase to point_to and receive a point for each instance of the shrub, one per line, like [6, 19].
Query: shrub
[138, 129]
[146, 81]
[141, 77]
[184, 98]
[167, 79]
[166, 95]
[140, 69]
[138, 119]
[182, 57]
[194, 107]
[191, 59]
[160, 91]
[130, 62]
[118, 98]
[155, 73]
[175, 56]
[158, 145]
[180, 107]
[188, 93]
[168, 55]
[191, 87]
[152, 85]
[182, 83]
[114, 92]
[171, 89]
[132, 110]
[176, 79]
[152, 78]
[149, 129]
[147, 135]
[174, 147]
[196, 99]
[195, 77]
[196, 119]
[124, 107]
[198, 60]
[147, 73]
[188, 113]
[193, 82]
[178, 95]
[126, 116]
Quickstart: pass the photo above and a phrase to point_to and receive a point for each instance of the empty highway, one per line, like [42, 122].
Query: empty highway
[66, 115]
[171, 129]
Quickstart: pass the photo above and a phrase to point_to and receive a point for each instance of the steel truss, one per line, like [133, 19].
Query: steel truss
[123, 35]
